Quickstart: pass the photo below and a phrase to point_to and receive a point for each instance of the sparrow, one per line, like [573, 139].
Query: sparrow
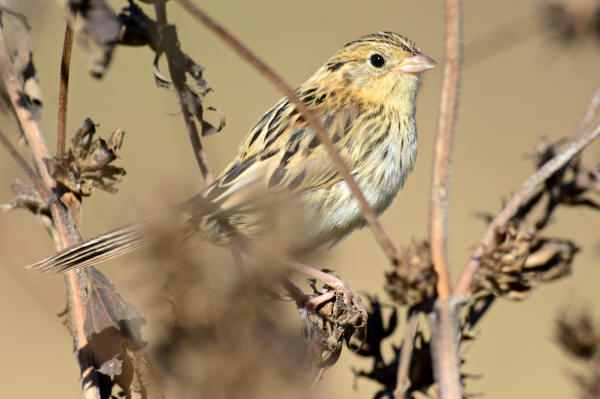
[364, 96]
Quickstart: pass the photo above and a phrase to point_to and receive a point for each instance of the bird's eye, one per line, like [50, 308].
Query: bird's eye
[377, 60]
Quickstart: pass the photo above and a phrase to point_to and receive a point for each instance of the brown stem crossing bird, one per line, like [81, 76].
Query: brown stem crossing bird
[364, 96]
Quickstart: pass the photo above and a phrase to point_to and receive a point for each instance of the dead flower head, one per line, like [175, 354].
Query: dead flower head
[578, 334]
[87, 164]
[569, 22]
[521, 259]
[413, 280]
[339, 320]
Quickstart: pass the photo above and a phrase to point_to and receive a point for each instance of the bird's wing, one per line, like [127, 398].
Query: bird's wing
[282, 153]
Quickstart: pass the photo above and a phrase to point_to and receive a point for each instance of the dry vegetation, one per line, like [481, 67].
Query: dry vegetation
[219, 332]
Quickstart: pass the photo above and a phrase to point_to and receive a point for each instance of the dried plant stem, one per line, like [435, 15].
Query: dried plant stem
[378, 231]
[444, 348]
[169, 44]
[403, 374]
[63, 91]
[67, 234]
[442, 164]
[445, 329]
[519, 198]
[24, 117]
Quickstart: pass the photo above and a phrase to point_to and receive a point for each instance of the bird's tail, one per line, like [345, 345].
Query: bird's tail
[95, 250]
[181, 224]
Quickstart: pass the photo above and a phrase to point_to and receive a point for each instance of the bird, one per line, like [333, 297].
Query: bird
[364, 96]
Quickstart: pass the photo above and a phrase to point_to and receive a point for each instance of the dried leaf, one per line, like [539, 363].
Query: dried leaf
[23, 62]
[97, 30]
[137, 29]
[106, 309]
[191, 94]
[113, 328]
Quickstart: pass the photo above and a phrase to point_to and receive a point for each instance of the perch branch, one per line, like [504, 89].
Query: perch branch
[63, 92]
[67, 234]
[446, 364]
[378, 231]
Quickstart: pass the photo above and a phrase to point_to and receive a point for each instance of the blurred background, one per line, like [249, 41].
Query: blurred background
[519, 83]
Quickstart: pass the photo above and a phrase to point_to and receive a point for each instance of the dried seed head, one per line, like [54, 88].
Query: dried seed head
[333, 322]
[520, 260]
[412, 282]
[87, 164]
[578, 333]
[568, 22]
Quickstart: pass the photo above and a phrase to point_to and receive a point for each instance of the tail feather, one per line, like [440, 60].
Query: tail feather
[95, 250]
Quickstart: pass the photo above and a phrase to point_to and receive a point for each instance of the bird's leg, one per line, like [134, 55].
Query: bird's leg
[356, 311]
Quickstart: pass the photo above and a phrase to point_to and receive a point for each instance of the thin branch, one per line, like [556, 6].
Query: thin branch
[169, 44]
[403, 374]
[590, 114]
[445, 333]
[24, 165]
[64, 224]
[63, 91]
[524, 194]
[378, 231]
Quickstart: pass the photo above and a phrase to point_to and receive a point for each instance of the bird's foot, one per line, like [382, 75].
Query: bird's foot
[336, 303]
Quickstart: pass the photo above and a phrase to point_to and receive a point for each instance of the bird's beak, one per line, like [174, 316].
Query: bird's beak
[415, 64]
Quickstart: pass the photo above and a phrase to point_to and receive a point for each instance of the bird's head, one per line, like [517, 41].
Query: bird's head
[380, 68]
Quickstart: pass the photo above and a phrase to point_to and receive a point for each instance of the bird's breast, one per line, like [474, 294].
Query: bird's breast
[380, 176]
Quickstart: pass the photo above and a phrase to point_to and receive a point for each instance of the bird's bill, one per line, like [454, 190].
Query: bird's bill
[415, 64]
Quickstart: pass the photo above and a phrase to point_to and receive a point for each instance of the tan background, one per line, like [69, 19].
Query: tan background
[509, 100]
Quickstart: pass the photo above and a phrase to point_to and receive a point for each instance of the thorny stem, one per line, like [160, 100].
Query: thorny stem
[445, 330]
[67, 234]
[519, 198]
[169, 44]
[378, 231]
[63, 92]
